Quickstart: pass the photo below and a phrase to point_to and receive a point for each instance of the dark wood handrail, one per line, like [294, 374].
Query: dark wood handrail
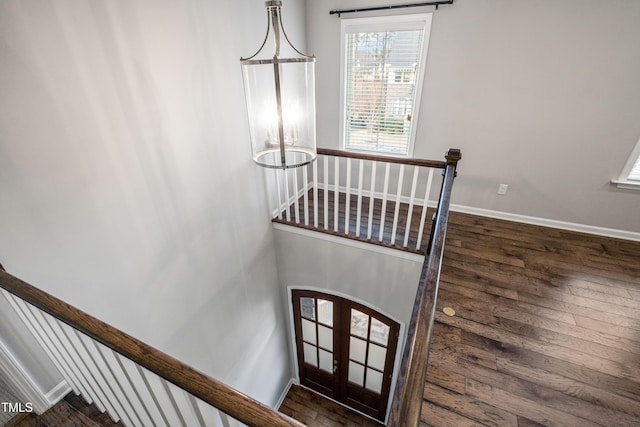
[210, 390]
[408, 395]
[377, 158]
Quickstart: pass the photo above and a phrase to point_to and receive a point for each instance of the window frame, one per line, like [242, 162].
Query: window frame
[624, 180]
[385, 23]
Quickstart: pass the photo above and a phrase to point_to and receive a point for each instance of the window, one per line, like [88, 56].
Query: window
[630, 176]
[383, 61]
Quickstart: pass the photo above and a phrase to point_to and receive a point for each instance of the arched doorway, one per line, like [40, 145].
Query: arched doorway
[345, 350]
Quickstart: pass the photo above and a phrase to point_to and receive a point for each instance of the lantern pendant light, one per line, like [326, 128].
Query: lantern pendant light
[280, 95]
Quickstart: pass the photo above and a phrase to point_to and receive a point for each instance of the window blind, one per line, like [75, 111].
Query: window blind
[634, 175]
[381, 72]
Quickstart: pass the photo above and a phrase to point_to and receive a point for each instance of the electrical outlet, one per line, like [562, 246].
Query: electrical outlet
[502, 189]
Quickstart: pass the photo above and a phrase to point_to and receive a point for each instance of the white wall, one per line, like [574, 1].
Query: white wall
[541, 95]
[388, 282]
[126, 177]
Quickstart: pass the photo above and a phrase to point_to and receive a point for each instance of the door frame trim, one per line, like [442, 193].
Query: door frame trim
[293, 350]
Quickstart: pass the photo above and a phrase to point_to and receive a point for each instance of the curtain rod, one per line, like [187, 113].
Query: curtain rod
[395, 6]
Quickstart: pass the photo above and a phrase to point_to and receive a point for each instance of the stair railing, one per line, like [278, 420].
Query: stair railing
[125, 377]
[408, 394]
[377, 199]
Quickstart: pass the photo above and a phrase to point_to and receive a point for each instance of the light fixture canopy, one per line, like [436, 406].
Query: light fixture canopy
[280, 95]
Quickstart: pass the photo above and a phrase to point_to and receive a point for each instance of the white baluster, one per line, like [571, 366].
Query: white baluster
[287, 195]
[210, 414]
[102, 374]
[294, 172]
[412, 200]
[136, 375]
[226, 419]
[359, 209]
[181, 404]
[305, 179]
[132, 398]
[423, 217]
[162, 401]
[385, 190]
[326, 192]
[71, 342]
[315, 193]
[372, 193]
[205, 418]
[347, 206]
[336, 193]
[67, 351]
[279, 192]
[397, 210]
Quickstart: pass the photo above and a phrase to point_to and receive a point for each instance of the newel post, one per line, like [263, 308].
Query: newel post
[453, 156]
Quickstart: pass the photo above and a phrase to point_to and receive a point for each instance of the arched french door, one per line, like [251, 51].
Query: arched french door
[346, 350]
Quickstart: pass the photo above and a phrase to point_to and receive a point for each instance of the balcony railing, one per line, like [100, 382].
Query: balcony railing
[376, 199]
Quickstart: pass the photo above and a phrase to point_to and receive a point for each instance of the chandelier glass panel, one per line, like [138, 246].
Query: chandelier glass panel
[280, 95]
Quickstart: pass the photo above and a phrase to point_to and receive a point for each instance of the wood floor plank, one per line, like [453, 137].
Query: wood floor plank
[468, 307]
[473, 311]
[604, 296]
[531, 409]
[559, 312]
[523, 386]
[609, 313]
[498, 301]
[529, 387]
[447, 378]
[613, 369]
[593, 395]
[469, 407]
[541, 360]
[526, 422]
[437, 416]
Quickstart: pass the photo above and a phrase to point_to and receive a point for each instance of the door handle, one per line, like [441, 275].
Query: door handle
[335, 365]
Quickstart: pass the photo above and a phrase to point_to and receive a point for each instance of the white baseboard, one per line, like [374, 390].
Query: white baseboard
[57, 393]
[284, 393]
[545, 222]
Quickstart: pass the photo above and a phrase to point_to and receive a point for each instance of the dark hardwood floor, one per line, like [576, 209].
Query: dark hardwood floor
[546, 330]
[315, 410]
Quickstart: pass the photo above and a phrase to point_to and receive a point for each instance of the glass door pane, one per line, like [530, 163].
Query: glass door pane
[315, 337]
[345, 350]
[372, 340]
